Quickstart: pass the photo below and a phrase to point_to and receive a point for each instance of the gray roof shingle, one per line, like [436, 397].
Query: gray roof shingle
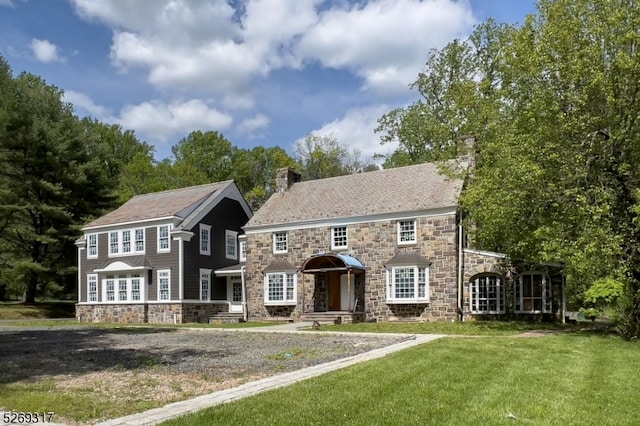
[177, 202]
[403, 189]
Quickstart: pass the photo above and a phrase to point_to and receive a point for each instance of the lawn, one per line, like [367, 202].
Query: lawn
[22, 311]
[471, 328]
[564, 379]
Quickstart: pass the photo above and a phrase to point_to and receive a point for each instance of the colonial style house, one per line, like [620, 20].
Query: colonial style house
[155, 258]
[382, 246]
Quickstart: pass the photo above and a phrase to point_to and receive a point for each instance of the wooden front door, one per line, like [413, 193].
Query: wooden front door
[334, 291]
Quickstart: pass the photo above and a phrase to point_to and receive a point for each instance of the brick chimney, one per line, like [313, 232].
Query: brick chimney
[286, 177]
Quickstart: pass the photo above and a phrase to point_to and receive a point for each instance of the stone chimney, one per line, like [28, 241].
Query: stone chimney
[286, 177]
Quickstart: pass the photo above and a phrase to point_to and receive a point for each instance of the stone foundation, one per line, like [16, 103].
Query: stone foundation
[150, 313]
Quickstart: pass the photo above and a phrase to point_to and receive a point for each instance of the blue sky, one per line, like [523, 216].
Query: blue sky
[261, 72]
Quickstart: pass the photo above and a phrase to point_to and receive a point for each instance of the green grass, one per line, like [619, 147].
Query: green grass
[44, 310]
[567, 379]
[472, 328]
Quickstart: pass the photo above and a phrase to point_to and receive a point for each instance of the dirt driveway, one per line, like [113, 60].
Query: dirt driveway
[126, 370]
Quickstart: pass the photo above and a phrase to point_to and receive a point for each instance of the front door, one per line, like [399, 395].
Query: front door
[334, 291]
[234, 294]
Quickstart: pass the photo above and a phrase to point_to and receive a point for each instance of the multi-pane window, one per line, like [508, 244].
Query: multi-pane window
[92, 287]
[280, 242]
[164, 282]
[163, 238]
[139, 240]
[92, 245]
[280, 288]
[205, 239]
[114, 245]
[486, 295]
[110, 285]
[123, 288]
[205, 284]
[135, 287]
[120, 242]
[406, 231]
[533, 293]
[339, 238]
[408, 284]
[243, 251]
[126, 241]
[231, 243]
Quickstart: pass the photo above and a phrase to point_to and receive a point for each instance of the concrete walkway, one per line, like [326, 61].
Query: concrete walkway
[177, 409]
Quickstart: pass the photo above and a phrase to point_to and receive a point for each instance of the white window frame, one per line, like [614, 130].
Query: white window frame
[205, 239]
[545, 297]
[119, 288]
[231, 244]
[280, 240]
[289, 290]
[420, 284]
[164, 275]
[109, 289]
[242, 250]
[161, 238]
[205, 279]
[134, 244]
[480, 293]
[402, 231]
[339, 234]
[92, 293]
[92, 246]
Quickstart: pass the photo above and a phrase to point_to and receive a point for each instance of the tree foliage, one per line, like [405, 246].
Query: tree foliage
[49, 184]
[553, 104]
[320, 157]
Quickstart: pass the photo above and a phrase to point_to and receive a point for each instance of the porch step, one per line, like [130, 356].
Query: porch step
[226, 318]
[333, 317]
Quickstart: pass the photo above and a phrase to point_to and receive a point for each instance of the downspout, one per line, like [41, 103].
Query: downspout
[564, 298]
[244, 293]
[460, 279]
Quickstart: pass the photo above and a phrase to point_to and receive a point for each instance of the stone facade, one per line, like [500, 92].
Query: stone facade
[373, 244]
[150, 313]
[477, 263]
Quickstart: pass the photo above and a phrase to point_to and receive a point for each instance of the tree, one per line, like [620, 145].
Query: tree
[553, 106]
[210, 153]
[49, 184]
[321, 157]
[254, 171]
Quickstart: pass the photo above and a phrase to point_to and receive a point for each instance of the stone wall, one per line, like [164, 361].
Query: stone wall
[373, 244]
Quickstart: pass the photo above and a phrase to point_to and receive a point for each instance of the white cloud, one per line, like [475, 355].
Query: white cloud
[251, 126]
[355, 130]
[160, 121]
[84, 105]
[192, 45]
[45, 51]
[384, 41]
[7, 3]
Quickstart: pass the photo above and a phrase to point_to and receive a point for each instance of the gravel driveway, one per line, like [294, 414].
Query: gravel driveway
[155, 366]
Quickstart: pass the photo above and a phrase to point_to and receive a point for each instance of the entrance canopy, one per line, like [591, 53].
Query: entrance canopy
[326, 262]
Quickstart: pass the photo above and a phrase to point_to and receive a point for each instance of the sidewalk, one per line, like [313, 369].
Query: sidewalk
[177, 409]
